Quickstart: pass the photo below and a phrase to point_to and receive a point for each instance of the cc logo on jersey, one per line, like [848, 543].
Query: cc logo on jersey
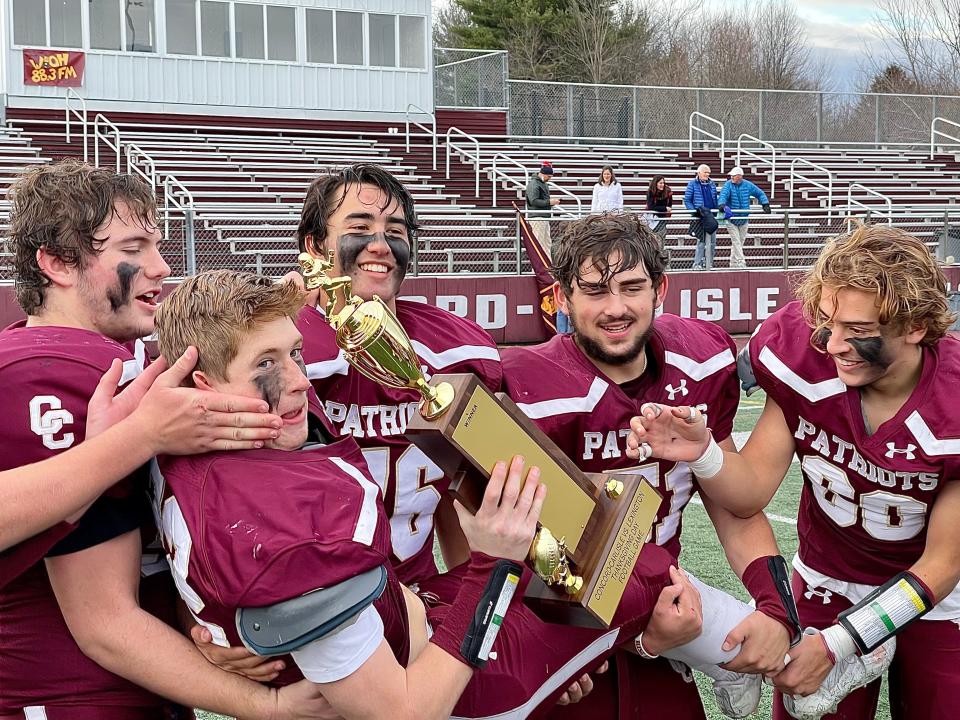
[48, 423]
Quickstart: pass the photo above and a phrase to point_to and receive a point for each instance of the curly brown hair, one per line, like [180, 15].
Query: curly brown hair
[595, 237]
[60, 207]
[214, 310]
[909, 285]
[324, 198]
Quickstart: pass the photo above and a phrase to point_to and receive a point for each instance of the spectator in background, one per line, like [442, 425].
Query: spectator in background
[607, 193]
[659, 200]
[735, 203]
[540, 205]
[701, 199]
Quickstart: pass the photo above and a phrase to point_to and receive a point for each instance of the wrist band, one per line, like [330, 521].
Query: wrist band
[638, 643]
[710, 463]
[768, 582]
[838, 642]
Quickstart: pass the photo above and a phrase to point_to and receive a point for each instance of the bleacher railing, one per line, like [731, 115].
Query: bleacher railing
[81, 115]
[704, 133]
[474, 158]
[853, 203]
[431, 131]
[934, 133]
[771, 161]
[496, 174]
[109, 134]
[794, 176]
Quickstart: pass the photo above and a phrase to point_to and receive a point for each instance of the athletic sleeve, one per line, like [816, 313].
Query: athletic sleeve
[337, 656]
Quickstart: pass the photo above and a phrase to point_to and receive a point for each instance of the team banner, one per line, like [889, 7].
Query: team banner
[541, 269]
[53, 68]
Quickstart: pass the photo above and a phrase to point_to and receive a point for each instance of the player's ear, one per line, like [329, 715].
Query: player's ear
[54, 268]
[313, 247]
[560, 298]
[916, 332]
[661, 291]
[201, 381]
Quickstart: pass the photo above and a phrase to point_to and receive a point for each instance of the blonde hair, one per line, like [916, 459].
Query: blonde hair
[909, 286]
[214, 310]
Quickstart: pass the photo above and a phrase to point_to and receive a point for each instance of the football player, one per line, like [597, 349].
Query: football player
[76, 635]
[153, 414]
[287, 548]
[857, 374]
[583, 389]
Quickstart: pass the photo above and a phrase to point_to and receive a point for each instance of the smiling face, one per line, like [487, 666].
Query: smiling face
[269, 365]
[369, 238]
[607, 176]
[117, 289]
[865, 351]
[613, 321]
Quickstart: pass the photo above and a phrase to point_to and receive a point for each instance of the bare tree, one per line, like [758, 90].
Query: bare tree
[923, 40]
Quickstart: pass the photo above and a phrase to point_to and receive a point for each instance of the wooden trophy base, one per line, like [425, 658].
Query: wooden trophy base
[603, 534]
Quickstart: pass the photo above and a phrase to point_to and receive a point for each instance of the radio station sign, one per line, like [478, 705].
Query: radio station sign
[53, 68]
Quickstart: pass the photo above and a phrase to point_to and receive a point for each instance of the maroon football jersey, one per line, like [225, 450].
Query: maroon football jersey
[866, 499]
[48, 375]
[690, 362]
[254, 528]
[376, 416]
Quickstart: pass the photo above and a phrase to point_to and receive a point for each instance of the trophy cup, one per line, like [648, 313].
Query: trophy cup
[592, 526]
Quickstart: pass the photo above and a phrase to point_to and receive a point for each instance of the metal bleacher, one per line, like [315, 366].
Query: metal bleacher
[240, 189]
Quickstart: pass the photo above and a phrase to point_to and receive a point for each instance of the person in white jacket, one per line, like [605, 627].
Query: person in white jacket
[607, 193]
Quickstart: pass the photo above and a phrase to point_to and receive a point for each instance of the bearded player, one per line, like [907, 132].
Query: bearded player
[583, 389]
[287, 548]
[858, 374]
[76, 622]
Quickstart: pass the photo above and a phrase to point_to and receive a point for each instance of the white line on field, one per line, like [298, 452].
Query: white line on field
[771, 516]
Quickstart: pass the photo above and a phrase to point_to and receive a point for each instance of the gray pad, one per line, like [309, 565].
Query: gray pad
[291, 624]
[748, 381]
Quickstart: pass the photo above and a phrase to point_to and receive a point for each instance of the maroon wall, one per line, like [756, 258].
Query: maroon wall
[507, 305]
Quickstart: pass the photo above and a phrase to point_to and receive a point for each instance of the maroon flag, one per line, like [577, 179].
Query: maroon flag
[541, 268]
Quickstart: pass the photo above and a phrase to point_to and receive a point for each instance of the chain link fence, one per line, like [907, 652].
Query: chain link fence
[470, 78]
[621, 111]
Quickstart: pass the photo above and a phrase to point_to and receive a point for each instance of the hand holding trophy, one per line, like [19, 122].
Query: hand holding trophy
[592, 527]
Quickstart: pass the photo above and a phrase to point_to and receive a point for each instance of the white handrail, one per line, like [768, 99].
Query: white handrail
[772, 162]
[564, 191]
[509, 178]
[98, 135]
[81, 116]
[702, 131]
[851, 202]
[134, 153]
[476, 159]
[934, 131]
[794, 176]
[172, 188]
[433, 132]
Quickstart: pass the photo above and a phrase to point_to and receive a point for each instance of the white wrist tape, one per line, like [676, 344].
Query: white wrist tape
[839, 641]
[710, 463]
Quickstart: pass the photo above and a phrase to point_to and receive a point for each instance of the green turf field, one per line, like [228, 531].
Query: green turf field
[703, 556]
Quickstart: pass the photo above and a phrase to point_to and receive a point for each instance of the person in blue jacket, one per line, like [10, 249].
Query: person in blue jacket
[701, 199]
[735, 203]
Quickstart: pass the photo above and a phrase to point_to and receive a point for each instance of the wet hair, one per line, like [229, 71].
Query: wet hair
[327, 193]
[592, 240]
[909, 286]
[613, 176]
[60, 207]
[214, 310]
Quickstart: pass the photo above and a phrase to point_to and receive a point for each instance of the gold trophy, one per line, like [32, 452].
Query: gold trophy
[592, 526]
